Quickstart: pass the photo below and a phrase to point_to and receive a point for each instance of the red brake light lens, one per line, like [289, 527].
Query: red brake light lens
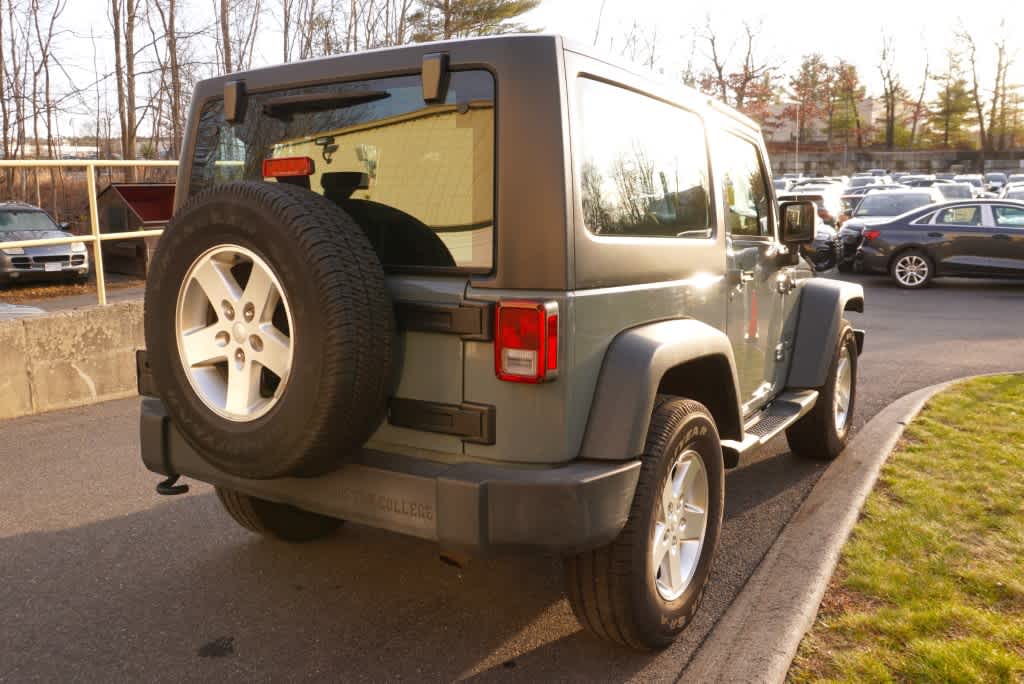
[870, 235]
[526, 341]
[287, 167]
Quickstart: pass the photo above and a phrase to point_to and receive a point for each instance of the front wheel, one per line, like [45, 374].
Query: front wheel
[643, 588]
[822, 433]
[912, 269]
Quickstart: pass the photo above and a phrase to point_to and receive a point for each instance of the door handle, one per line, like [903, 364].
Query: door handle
[934, 234]
[1001, 236]
[736, 277]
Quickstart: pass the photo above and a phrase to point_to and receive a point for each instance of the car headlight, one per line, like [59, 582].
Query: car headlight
[13, 250]
[77, 246]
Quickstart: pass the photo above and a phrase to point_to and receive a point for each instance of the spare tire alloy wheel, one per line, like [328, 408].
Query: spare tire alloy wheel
[234, 354]
[269, 330]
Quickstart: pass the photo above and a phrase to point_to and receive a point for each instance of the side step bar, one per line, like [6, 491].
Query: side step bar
[788, 408]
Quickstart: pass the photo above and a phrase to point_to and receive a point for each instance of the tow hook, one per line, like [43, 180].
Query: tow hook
[169, 488]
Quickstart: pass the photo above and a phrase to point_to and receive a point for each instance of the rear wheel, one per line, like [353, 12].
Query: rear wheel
[275, 519]
[644, 588]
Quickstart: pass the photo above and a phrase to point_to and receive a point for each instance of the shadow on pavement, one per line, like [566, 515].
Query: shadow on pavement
[179, 591]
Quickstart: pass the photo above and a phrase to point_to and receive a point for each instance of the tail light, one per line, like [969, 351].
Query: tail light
[526, 341]
[870, 235]
[287, 167]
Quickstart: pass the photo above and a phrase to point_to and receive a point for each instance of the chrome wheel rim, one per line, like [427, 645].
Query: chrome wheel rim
[680, 526]
[843, 390]
[233, 325]
[911, 270]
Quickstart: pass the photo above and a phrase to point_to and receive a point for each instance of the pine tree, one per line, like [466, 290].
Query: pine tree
[446, 19]
[952, 104]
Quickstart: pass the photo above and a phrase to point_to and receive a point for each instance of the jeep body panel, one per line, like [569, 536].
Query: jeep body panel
[819, 317]
[636, 362]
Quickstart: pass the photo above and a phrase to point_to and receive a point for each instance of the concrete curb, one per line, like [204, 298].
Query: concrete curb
[69, 358]
[757, 638]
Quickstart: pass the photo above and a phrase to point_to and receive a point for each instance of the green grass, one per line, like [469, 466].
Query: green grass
[930, 587]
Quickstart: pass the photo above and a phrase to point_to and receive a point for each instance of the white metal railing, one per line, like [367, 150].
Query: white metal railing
[94, 237]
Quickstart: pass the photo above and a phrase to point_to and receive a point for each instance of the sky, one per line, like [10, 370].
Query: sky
[792, 28]
[789, 29]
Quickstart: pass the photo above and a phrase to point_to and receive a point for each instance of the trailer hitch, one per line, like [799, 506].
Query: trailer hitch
[169, 488]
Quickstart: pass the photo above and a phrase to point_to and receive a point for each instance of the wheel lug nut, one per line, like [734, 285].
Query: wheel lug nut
[239, 356]
[222, 338]
[229, 311]
[256, 343]
[249, 312]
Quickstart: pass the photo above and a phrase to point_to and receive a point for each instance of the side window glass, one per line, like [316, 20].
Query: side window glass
[744, 188]
[1009, 217]
[960, 216]
[645, 177]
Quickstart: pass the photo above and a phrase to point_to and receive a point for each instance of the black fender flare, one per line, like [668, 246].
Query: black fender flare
[633, 368]
[819, 317]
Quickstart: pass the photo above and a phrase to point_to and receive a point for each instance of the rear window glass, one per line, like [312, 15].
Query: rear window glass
[955, 190]
[885, 204]
[646, 175]
[417, 177]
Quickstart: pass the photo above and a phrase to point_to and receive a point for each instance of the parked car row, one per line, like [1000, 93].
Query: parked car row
[914, 226]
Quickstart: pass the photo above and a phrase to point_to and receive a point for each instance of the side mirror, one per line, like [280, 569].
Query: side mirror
[64, 226]
[798, 222]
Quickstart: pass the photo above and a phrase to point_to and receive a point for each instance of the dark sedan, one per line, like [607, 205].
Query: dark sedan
[879, 206]
[977, 238]
[25, 222]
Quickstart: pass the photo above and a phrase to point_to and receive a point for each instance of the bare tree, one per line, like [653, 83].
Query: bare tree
[892, 89]
[920, 110]
[967, 39]
[238, 24]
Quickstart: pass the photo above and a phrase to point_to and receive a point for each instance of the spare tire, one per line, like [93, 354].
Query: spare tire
[269, 330]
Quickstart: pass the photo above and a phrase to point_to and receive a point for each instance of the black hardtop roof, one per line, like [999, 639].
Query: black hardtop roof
[392, 60]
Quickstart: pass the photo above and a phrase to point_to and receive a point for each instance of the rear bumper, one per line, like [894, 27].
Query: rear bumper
[473, 507]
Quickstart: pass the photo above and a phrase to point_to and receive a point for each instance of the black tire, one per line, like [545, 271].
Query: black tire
[399, 239]
[816, 436]
[612, 589]
[342, 319]
[912, 254]
[275, 519]
[845, 267]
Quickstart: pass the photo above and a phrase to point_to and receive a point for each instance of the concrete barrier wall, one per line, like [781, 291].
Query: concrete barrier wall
[69, 358]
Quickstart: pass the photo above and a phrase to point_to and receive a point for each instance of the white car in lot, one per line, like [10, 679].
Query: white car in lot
[20, 222]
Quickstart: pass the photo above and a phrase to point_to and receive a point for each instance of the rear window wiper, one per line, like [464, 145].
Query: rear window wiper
[287, 105]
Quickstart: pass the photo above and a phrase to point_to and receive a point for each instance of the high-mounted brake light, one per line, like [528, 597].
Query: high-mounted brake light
[526, 341]
[870, 235]
[287, 167]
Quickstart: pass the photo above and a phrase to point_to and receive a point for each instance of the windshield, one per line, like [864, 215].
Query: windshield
[883, 204]
[955, 190]
[998, 177]
[417, 177]
[1015, 194]
[976, 182]
[11, 221]
[862, 181]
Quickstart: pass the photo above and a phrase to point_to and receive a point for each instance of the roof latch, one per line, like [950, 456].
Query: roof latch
[435, 77]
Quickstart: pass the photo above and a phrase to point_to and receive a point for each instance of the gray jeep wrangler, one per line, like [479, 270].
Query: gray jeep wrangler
[497, 293]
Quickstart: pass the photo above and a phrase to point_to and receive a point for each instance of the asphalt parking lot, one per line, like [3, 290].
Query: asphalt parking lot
[102, 580]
